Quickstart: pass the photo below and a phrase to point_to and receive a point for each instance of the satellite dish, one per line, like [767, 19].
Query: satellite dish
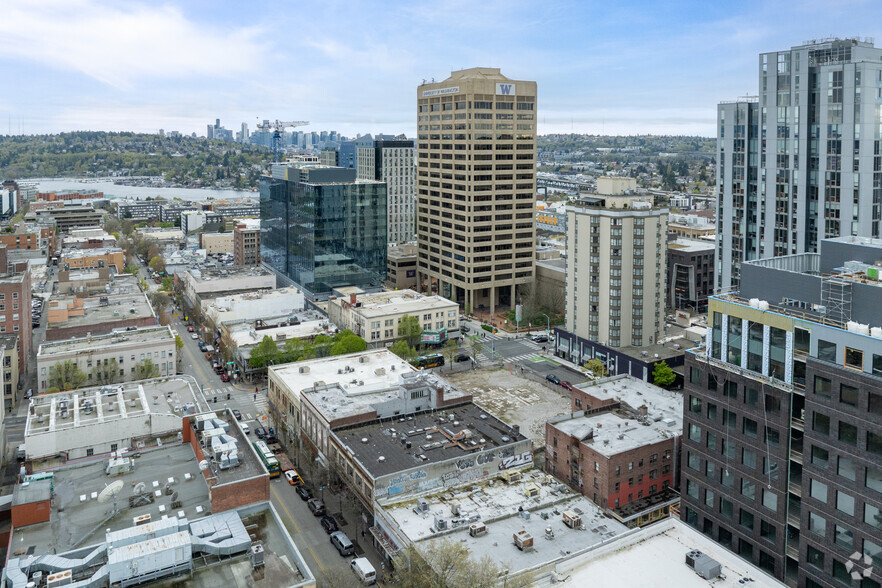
[203, 465]
[110, 491]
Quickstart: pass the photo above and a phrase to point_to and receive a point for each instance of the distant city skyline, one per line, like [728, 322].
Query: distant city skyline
[638, 68]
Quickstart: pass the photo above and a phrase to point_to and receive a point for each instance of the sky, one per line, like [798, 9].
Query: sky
[623, 67]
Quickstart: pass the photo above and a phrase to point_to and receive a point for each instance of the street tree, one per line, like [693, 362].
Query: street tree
[410, 329]
[477, 347]
[145, 370]
[451, 348]
[106, 373]
[66, 376]
[596, 367]
[157, 264]
[265, 353]
[449, 565]
[347, 342]
[179, 347]
[403, 350]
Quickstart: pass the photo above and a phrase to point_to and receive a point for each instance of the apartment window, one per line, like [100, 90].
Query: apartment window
[820, 456]
[748, 458]
[848, 395]
[874, 442]
[730, 389]
[823, 387]
[727, 479]
[874, 403]
[711, 411]
[748, 489]
[843, 537]
[817, 524]
[820, 423]
[840, 572]
[826, 350]
[695, 376]
[746, 519]
[767, 531]
[818, 491]
[90, 452]
[710, 470]
[708, 498]
[847, 433]
[874, 479]
[693, 461]
[877, 364]
[692, 489]
[773, 437]
[815, 557]
[845, 503]
[770, 500]
[872, 516]
[751, 396]
[749, 427]
[847, 469]
[694, 433]
[874, 551]
[854, 358]
[726, 508]
[711, 441]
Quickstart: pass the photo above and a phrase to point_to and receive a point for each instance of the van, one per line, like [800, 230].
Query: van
[20, 453]
[342, 543]
[364, 570]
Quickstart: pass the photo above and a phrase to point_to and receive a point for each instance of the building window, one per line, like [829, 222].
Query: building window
[874, 403]
[725, 508]
[694, 433]
[874, 551]
[843, 537]
[817, 524]
[854, 358]
[767, 531]
[89, 452]
[770, 500]
[820, 456]
[874, 479]
[749, 427]
[826, 350]
[847, 469]
[848, 395]
[840, 573]
[815, 557]
[746, 519]
[818, 491]
[748, 489]
[708, 497]
[823, 387]
[692, 489]
[845, 503]
[820, 423]
[874, 443]
[694, 376]
[847, 433]
[872, 516]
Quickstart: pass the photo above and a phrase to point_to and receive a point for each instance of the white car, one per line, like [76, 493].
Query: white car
[194, 335]
[245, 428]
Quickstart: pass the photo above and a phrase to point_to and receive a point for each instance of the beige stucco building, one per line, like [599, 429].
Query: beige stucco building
[616, 266]
[215, 243]
[476, 182]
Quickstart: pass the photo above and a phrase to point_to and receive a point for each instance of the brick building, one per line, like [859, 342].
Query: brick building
[246, 242]
[15, 310]
[619, 447]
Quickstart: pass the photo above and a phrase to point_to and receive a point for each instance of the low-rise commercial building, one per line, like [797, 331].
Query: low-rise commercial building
[68, 216]
[260, 305]
[170, 212]
[91, 238]
[110, 358]
[215, 243]
[73, 259]
[401, 266]
[139, 209]
[375, 317]
[194, 220]
[201, 284]
[160, 234]
[690, 226]
[69, 316]
[620, 447]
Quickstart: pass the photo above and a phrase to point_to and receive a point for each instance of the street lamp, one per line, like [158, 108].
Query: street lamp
[547, 323]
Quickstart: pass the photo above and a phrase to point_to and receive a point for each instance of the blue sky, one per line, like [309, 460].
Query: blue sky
[626, 67]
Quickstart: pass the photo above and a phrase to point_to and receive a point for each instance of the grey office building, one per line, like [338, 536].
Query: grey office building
[782, 444]
[800, 162]
[322, 229]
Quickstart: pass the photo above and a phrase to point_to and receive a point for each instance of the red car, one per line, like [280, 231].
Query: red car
[225, 378]
[190, 329]
[566, 385]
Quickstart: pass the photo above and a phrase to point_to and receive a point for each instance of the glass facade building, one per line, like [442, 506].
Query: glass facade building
[322, 229]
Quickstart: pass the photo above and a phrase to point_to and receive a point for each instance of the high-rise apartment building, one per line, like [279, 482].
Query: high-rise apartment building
[323, 229]
[782, 445]
[476, 178]
[616, 266]
[391, 160]
[800, 162]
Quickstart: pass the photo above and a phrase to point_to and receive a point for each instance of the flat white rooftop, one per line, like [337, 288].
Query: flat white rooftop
[368, 372]
[245, 335]
[614, 434]
[636, 393]
[690, 245]
[99, 343]
[400, 301]
[497, 507]
[98, 251]
[655, 556]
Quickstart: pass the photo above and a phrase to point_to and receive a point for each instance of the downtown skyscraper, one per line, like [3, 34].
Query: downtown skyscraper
[476, 187]
[802, 161]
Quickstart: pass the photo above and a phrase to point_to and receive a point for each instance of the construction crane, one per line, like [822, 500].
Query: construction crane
[277, 128]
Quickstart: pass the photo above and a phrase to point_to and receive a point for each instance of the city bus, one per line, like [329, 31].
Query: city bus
[268, 458]
[428, 361]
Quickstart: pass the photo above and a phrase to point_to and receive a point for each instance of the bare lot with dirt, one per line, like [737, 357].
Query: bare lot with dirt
[514, 399]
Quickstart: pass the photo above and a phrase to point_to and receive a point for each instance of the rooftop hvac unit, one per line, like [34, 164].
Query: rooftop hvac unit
[304, 369]
[703, 565]
[522, 540]
[440, 524]
[256, 555]
[422, 505]
[59, 579]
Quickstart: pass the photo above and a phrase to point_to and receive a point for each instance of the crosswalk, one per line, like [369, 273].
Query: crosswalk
[252, 404]
[487, 354]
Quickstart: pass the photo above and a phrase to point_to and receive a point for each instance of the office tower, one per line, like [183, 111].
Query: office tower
[799, 163]
[476, 177]
[391, 160]
[782, 449]
[616, 266]
[244, 133]
[322, 228]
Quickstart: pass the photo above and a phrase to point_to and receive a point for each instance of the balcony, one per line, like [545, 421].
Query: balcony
[797, 423]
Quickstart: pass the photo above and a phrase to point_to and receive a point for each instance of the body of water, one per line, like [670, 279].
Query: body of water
[112, 190]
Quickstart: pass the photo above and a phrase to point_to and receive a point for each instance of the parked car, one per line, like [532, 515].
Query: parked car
[303, 492]
[293, 477]
[566, 385]
[464, 328]
[462, 357]
[245, 428]
[553, 379]
[237, 414]
[329, 524]
[364, 570]
[539, 338]
[225, 377]
[260, 432]
[29, 393]
[316, 506]
[190, 329]
[342, 543]
[194, 335]
[202, 346]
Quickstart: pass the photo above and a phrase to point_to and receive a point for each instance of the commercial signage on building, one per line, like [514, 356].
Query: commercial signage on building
[442, 91]
[505, 89]
[434, 337]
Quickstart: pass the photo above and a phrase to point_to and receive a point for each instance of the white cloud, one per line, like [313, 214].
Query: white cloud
[119, 43]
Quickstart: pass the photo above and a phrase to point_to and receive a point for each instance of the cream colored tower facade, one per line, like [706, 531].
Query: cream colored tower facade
[476, 187]
[616, 268]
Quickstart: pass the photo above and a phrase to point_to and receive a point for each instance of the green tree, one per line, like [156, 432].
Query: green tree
[66, 376]
[596, 367]
[168, 284]
[157, 264]
[451, 348]
[144, 370]
[265, 353]
[410, 329]
[449, 565]
[179, 346]
[106, 373]
[403, 350]
[321, 345]
[663, 375]
[477, 347]
[347, 342]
